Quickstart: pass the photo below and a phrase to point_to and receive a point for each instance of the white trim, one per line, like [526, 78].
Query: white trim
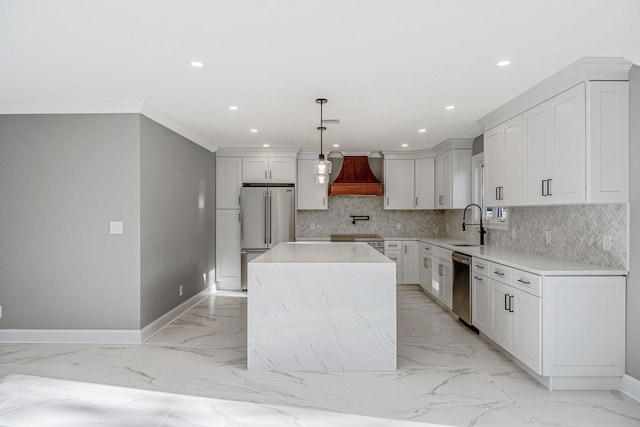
[99, 336]
[254, 152]
[75, 336]
[158, 116]
[631, 387]
[584, 69]
[116, 107]
[163, 321]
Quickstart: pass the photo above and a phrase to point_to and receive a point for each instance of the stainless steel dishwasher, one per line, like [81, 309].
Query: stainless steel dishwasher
[462, 287]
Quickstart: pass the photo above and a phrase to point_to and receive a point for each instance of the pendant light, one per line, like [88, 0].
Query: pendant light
[321, 167]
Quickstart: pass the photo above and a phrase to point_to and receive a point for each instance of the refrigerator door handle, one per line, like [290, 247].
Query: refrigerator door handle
[264, 194]
[269, 217]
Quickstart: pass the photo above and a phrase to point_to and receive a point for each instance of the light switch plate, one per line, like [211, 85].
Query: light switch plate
[116, 227]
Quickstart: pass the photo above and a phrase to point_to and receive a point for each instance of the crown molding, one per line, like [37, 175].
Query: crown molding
[583, 70]
[115, 107]
[256, 152]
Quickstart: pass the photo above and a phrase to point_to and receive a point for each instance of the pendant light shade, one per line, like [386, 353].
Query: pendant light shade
[322, 166]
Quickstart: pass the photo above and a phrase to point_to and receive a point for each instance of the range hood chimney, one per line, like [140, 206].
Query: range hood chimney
[356, 179]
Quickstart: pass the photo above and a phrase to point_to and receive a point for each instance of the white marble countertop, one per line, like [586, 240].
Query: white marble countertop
[537, 264]
[322, 252]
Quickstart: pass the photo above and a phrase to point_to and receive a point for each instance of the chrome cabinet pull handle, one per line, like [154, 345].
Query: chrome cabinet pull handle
[477, 278]
[543, 194]
[524, 282]
[499, 273]
[549, 187]
[506, 298]
[510, 303]
[481, 267]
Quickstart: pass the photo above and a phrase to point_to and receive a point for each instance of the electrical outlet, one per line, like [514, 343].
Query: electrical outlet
[313, 225]
[547, 237]
[0, 312]
[606, 242]
[180, 290]
[398, 226]
[116, 227]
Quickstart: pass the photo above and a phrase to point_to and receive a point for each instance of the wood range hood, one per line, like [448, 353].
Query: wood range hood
[355, 179]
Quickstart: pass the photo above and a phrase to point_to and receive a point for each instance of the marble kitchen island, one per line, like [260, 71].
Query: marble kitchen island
[321, 307]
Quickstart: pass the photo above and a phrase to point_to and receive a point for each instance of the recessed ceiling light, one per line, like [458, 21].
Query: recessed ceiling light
[450, 107]
[253, 130]
[422, 130]
[233, 107]
[197, 64]
[336, 145]
[405, 145]
[504, 63]
[265, 145]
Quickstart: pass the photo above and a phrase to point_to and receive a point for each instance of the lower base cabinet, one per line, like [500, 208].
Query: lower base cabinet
[569, 331]
[228, 243]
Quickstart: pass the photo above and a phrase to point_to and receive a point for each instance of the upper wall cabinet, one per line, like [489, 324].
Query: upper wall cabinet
[565, 141]
[409, 184]
[504, 164]
[453, 179]
[310, 195]
[608, 142]
[554, 146]
[268, 170]
[228, 182]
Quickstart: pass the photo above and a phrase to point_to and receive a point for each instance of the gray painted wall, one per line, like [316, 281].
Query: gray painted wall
[177, 181]
[633, 281]
[62, 179]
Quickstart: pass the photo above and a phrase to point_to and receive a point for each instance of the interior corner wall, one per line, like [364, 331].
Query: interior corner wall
[177, 180]
[633, 280]
[63, 178]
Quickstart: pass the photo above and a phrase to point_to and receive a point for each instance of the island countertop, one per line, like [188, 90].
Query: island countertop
[321, 253]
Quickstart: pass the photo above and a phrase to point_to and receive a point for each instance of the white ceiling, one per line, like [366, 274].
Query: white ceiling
[388, 68]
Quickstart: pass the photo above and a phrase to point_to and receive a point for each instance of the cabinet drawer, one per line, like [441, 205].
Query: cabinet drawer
[394, 245]
[500, 273]
[442, 253]
[480, 266]
[527, 282]
[426, 250]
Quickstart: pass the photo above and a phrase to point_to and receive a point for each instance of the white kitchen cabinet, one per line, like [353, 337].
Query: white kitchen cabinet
[270, 170]
[393, 251]
[410, 255]
[425, 266]
[453, 179]
[504, 164]
[228, 249]
[583, 326]
[480, 297]
[310, 195]
[228, 182]
[607, 142]
[554, 143]
[501, 321]
[526, 310]
[399, 184]
[442, 276]
[425, 183]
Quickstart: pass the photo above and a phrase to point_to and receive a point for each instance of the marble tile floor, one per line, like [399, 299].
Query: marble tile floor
[446, 374]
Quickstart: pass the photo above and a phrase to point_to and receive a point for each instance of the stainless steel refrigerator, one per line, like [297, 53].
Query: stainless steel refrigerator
[267, 216]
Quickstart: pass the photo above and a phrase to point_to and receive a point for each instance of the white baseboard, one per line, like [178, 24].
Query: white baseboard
[66, 336]
[99, 336]
[163, 321]
[631, 387]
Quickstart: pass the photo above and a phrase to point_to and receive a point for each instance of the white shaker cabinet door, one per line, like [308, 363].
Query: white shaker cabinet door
[310, 195]
[228, 249]
[425, 183]
[399, 184]
[481, 307]
[228, 182]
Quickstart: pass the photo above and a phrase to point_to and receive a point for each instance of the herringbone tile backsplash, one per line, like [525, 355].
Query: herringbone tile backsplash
[337, 219]
[576, 231]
